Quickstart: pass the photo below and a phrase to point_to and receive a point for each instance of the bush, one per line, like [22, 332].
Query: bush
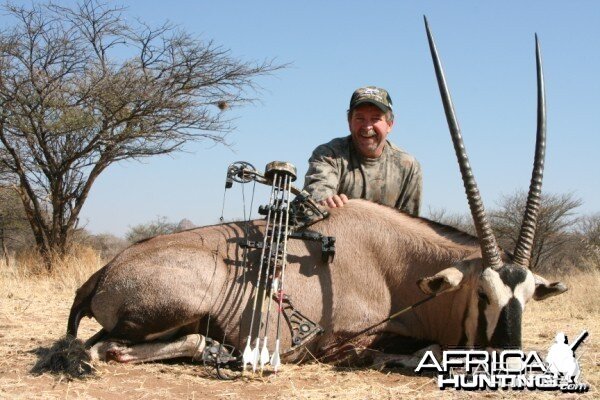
[106, 245]
[160, 226]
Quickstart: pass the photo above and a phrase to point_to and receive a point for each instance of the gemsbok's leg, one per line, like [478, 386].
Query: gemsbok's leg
[187, 346]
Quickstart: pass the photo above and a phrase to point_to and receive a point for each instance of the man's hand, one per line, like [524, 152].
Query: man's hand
[335, 201]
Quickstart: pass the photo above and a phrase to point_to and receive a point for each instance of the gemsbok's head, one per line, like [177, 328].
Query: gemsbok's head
[498, 286]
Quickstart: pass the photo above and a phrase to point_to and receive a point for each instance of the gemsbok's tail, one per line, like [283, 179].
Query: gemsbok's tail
[81, 304]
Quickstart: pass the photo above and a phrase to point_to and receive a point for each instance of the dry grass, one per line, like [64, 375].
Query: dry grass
[34, 307]
[68, 272]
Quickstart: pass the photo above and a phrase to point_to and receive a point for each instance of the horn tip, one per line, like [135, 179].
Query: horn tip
[537, 47]
[426, 25]
[537, 41]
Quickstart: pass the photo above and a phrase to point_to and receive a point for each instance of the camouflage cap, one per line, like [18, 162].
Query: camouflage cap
[371, 94]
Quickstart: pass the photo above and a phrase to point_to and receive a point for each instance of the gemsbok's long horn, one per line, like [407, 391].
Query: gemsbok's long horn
[487, 241]
[524, 245]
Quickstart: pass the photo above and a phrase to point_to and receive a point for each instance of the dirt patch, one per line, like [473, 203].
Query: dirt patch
[33, 316]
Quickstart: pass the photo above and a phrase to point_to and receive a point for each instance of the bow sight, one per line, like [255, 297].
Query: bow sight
[285, 219]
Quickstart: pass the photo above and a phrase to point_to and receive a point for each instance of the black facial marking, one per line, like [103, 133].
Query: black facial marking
[482, 296]
[481, 335]
[512, 275]
[507, 334]
[464, 339]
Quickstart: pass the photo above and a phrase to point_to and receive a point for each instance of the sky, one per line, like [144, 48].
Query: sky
[334, 47]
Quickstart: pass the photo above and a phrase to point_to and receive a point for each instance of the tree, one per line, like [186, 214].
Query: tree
[71, 104]
[553, 236]
[588, 230]
[106, 245]
[160, 226]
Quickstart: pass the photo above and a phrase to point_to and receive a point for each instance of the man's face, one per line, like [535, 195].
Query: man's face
[369, 128]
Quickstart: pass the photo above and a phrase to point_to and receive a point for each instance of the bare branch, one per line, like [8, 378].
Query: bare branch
[552, 236]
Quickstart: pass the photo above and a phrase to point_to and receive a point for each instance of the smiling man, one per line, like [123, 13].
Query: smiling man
[365, 164]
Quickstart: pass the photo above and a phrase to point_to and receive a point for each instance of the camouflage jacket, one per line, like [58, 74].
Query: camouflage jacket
[394, 179]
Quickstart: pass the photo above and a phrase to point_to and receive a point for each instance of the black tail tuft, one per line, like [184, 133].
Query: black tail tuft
[67, 357]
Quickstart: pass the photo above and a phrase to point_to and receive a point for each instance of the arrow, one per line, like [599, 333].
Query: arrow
[275, 360]
[255, 355]
[247, 356]
[264, 355]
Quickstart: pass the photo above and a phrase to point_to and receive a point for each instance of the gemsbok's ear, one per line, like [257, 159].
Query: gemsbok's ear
[545, 289]
[446, 280]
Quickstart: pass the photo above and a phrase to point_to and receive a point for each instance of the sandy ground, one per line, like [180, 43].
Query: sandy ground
[33, 315]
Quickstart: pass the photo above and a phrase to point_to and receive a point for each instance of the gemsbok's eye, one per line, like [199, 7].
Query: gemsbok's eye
[484, 297]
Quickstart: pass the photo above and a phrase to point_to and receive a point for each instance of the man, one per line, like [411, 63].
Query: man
[365, 164]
